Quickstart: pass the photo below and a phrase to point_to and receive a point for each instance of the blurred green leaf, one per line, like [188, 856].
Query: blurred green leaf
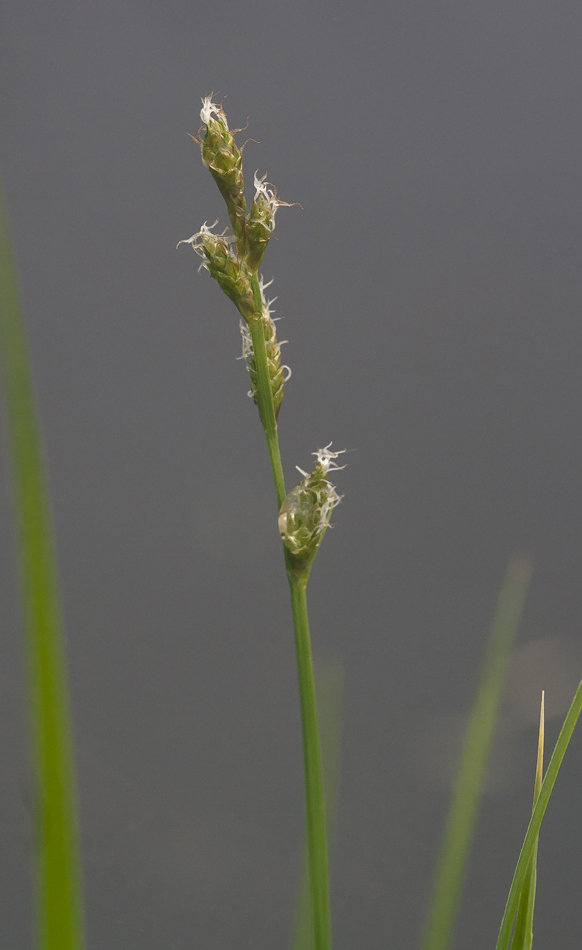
[58, 887]
[468, 787]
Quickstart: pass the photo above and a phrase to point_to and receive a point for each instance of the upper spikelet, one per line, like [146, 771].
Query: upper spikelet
[222, 156]
[261, 220]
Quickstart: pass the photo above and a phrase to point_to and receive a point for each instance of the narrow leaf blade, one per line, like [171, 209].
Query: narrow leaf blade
[527, 850]
[58, 887]
[523, 933]
[452, 862]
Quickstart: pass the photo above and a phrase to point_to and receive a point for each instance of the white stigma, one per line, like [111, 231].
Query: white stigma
[270, 196]
[327, 459]
[247, 342]
[204, 231]
[209, 109]
[267, 311]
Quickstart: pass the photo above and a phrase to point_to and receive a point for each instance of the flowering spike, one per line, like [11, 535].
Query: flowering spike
[233, 260]
[277, 375]
[216, 251]
[261, 220]
[305, 513]
[223, 158]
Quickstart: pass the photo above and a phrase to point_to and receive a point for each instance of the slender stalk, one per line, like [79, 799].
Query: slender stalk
[329, 675]
[58, 877]
[316, 829]
[314, 800]
[236, 274]
[450, 871]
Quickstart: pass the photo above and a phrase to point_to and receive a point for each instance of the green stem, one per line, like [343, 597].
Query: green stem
[58, 877]
[329, 678]
[316, 830]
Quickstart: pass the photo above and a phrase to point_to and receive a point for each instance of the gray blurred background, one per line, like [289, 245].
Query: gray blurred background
[431, 294]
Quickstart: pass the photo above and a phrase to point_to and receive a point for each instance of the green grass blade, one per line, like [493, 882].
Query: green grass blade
[451, 865]
[523, 933]
[527, 850]
[58, 887]
[329, 675]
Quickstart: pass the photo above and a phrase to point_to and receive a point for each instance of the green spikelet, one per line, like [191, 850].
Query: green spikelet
[223, 157]
[233, 260]
[261, 221]
[276, 371]
[260, 225]
[230, 271]
[305, 513]
[258, 232]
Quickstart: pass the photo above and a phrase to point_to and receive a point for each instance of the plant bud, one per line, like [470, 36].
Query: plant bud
[305, 513]
[222, 156]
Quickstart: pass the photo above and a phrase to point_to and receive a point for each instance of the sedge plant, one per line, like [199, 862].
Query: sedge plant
[233, 260]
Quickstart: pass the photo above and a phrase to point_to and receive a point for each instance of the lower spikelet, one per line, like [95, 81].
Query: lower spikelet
[277, 374]
[305, 512]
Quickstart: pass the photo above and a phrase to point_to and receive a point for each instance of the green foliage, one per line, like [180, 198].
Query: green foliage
[523, 933]
[522, 873]
[58, 878]
[468, 785]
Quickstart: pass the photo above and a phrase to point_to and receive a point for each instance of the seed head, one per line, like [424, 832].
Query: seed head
[223, 157]
[231, 272]
[261, 220]
[278, 374]
[305, 513]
